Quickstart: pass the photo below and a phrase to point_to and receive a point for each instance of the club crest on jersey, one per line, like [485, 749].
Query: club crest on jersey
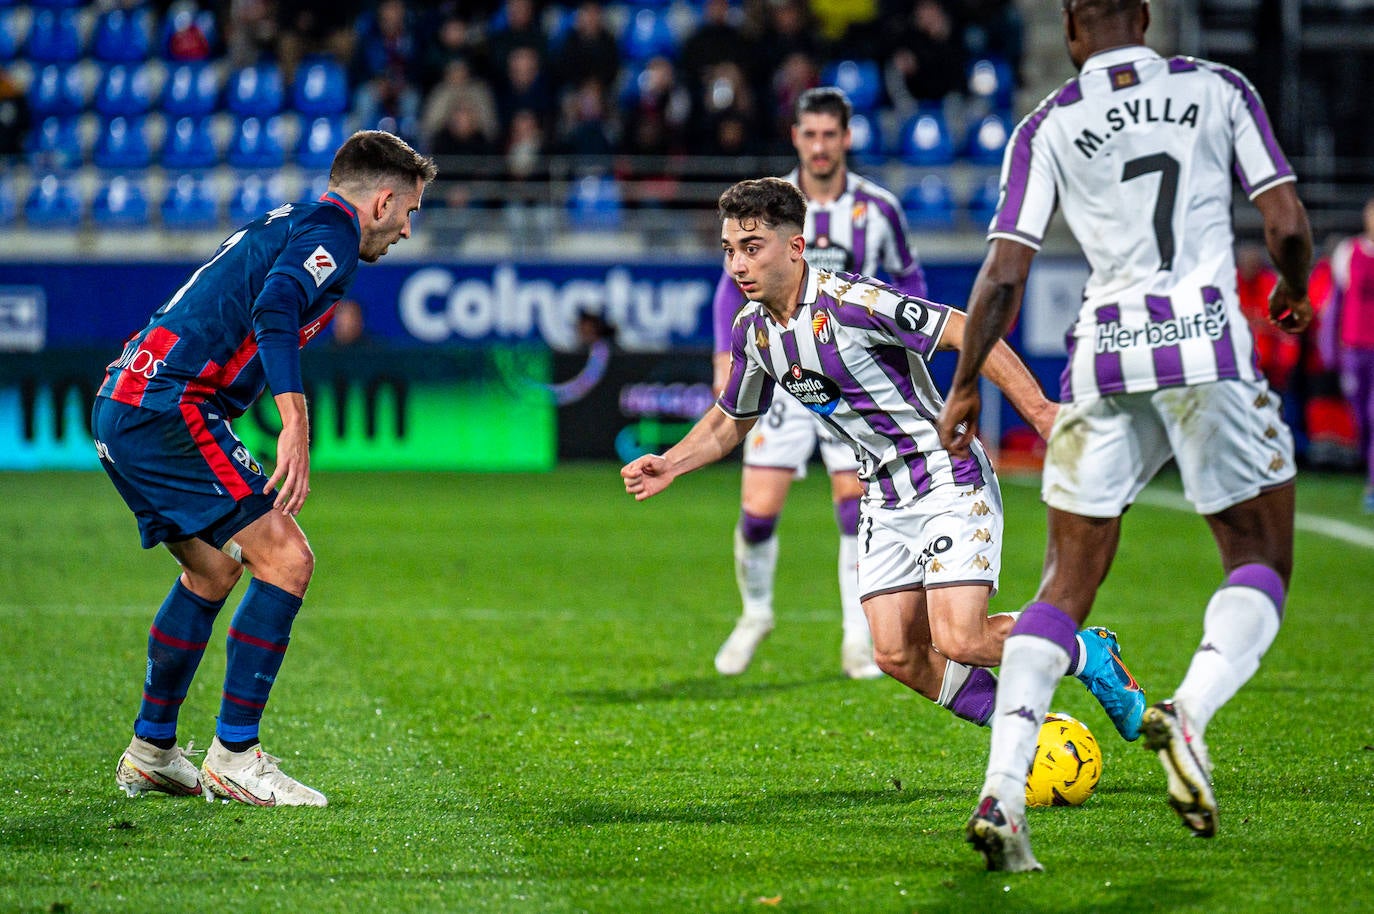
[814, 391]
[246, 460]
[820, 325]
[320, 265]
[859, 214]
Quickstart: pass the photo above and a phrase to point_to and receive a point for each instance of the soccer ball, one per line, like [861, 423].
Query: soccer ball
[1067, 763]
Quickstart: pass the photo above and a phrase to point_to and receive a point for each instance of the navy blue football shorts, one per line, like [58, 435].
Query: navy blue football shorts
[184, 473]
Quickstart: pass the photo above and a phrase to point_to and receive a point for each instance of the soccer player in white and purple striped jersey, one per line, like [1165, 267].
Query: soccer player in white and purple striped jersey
[852, 226]
[853, 351]
[1139, 152]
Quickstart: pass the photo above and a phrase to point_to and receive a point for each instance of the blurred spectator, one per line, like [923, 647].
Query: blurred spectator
[187, 38]
[14, 117]
[925, 60]
[526, 160]
[522, 29]
[347, 325]
[993, 28]
[309, 27]
[658, 109]
[1347, 340]
[524, 88]
[250, 32]
[1278, 352]
[787, 30]
[589, 51]
[461, 134]
[452, 38]
[460, 88]
[587, 131]
[716, 40]
[844, 18]
[386, 70]
[724, 93]
[797, 73]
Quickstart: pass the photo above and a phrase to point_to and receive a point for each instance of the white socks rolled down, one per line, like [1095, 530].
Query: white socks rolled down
[755, 567]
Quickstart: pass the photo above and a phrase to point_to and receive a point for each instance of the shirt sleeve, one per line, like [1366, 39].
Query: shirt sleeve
[724, 307]
[748, 391]
[899, 259]
[1259, 161]
[1028, 195]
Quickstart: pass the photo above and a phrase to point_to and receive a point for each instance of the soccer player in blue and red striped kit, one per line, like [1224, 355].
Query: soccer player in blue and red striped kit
[161, 425]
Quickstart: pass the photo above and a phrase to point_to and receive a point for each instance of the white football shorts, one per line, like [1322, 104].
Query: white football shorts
[785, 437]
[1228, 438]
[951, 535]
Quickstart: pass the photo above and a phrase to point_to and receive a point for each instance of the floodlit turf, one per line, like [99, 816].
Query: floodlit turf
[504, 685]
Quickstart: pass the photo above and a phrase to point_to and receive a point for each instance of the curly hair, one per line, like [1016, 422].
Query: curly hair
[771, 202]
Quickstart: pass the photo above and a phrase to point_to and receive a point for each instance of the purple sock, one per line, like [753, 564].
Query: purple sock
[1045, 620]
[847, 516]
[975, 697]
[1261, 577]
[755, 529]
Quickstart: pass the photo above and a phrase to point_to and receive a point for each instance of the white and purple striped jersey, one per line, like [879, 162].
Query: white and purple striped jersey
[855, 354]
[1138, 150]
[862, 231]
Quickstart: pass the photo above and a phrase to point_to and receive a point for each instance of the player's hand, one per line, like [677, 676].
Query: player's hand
[1290, 313]
[958, 420]
[291, 478]
[646, 476]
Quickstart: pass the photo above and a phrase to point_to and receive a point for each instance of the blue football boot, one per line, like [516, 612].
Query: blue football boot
[1111, 683]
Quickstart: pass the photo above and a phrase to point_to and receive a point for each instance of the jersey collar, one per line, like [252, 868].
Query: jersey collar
[1116, 56]
[341, 203]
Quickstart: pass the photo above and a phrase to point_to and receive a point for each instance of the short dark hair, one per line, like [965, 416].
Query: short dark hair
[824, 100]
[770, 201]
[372, 157]
[1091, 12]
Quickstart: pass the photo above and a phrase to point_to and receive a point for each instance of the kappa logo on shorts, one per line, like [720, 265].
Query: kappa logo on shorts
[980, 562]
[981, 535]
[981, 509]
[246, 460]
[320, 265]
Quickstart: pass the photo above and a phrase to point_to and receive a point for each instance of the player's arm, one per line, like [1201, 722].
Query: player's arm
[993, 305]
[725, 304]
[1004, 368]
[1288, 236]
[715, 435]
[276, 327]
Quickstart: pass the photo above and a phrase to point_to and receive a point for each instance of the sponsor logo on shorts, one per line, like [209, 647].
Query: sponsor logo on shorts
[937, 546]
[246, 460]
[102, 451]
[815, 391]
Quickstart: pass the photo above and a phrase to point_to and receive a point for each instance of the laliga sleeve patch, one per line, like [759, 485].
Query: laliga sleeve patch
[320, 265]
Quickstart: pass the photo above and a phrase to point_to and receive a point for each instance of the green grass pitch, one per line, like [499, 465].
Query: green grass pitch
[504, 685]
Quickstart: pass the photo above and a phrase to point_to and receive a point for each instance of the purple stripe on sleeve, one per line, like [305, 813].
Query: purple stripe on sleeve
[1224, 346]
[724, 307]
[1182, 64]
[1168, 359]
[891, 215]
[1256, 108]
[1072, 93]
[1018, 175]
[1107, 365]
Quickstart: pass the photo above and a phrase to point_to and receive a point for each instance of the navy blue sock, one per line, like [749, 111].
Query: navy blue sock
[176, 642]
[258, 636]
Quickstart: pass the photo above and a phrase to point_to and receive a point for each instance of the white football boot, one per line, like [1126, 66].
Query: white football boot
[253, 777]
[736, 653]
[856, 657]
[1002, 839]
[144, 768]
[1171, 736]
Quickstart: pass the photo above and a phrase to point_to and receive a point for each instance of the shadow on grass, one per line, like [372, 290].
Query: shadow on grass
[776, 807]
[701, 688]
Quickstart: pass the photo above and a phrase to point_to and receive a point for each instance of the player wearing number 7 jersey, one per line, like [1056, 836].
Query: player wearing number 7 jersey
[161, 423]
[1139, 151]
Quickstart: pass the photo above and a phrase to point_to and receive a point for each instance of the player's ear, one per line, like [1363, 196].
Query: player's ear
[381, 201]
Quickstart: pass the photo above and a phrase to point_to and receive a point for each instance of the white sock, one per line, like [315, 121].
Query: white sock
[853, 620]
[1031, 669]
[1238, 627]
[755, 566]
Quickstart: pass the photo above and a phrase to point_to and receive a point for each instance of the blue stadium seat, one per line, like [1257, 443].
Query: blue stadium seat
[57, 89]
[9, 199]
[986, 139]
[120, 202]
[54, 203]
[865, 131]
[189, 145]
[926, 140]
[648, 33]
[255, 194]
[60, 4]
[595, 204]
[123, 35]
[257, 143]
[320, 139]
[929, 203]
[255, 91]
[190, 203]
[990, 79]
[123, 144]
[55, 144]
[982, 202]
[314, 188]
[860, 80]
[321, 88]
[125, 89]
[13, 31]
[191, 90]
[54, 36]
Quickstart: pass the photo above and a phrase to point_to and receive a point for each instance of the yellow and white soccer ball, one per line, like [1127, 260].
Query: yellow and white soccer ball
[1067, 764]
